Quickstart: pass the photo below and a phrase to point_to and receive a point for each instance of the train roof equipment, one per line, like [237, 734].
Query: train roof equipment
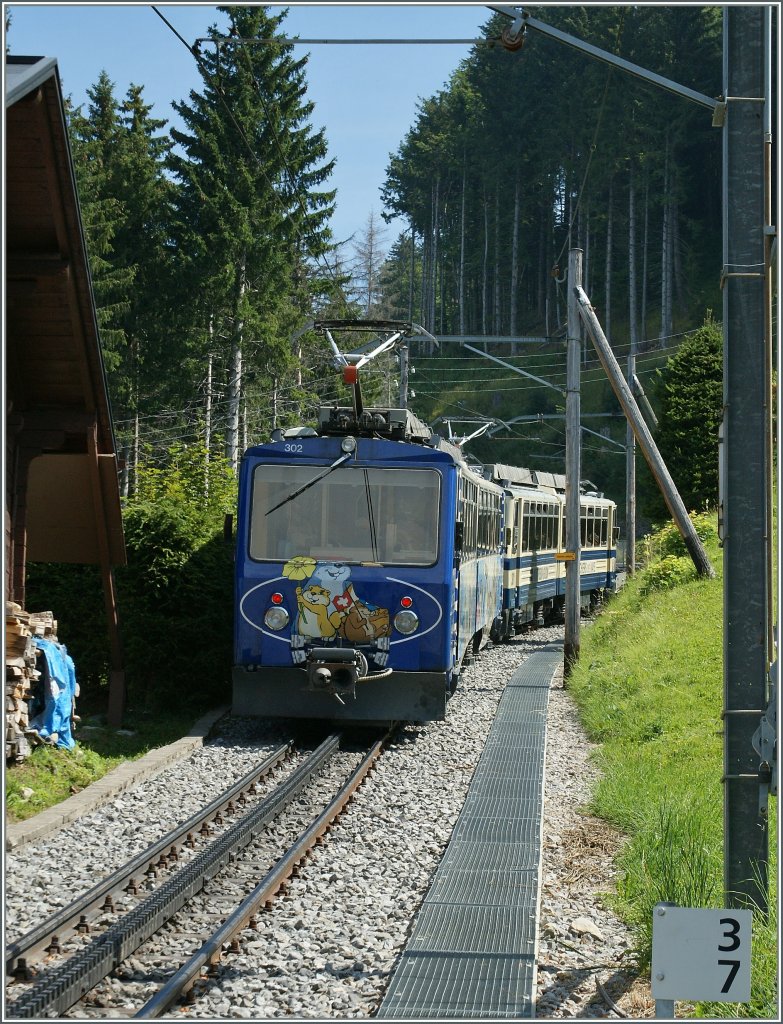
[517, 476]
[396, 424]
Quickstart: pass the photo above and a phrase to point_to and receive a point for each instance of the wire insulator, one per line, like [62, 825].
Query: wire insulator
[513, 41]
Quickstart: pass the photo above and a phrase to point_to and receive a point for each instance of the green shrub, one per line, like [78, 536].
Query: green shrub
[667, 539]
[669, 572]
[175, 595]
[670, 539]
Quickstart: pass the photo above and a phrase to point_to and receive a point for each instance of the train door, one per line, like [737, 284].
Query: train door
[560, 570]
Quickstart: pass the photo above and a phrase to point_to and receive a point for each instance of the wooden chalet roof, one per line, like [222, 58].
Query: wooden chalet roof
[56, 398]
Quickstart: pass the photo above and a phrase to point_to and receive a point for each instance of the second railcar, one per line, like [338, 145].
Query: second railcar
[533, 572]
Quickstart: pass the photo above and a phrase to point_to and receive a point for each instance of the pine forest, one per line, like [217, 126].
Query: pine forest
[210, 243]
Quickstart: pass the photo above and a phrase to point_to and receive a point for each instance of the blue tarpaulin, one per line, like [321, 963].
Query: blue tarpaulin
[58, 676]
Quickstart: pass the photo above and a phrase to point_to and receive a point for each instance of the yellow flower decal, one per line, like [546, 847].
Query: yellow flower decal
[299, 568]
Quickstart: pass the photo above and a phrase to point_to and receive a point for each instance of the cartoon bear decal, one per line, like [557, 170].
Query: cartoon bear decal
[329, 606]
[314, 620]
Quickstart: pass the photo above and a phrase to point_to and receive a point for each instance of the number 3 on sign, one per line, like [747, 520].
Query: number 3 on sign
[701, 954]
[731, 944]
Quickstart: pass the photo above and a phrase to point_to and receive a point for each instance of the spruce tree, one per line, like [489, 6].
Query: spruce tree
[690, 393]
[95, 139]
[249, 168]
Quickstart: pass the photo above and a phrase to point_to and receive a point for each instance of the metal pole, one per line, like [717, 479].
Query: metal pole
[769, 234]
[649, 448]
[573, 462]
[630, 476]
[664, 1008]
[403, 353]
[523, 21]
[745, 426]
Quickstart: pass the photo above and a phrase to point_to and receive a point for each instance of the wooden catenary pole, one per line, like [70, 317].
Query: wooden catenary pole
[650, 450]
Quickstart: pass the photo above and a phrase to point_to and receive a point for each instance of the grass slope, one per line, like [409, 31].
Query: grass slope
[649, 687]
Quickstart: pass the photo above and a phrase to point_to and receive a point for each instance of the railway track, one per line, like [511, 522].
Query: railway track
[142, 961]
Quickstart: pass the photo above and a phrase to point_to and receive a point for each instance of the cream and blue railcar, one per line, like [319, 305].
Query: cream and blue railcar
[534, 539]
[598, 548]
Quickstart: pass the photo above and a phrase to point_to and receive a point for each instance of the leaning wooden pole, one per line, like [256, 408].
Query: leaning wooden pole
[650, 450]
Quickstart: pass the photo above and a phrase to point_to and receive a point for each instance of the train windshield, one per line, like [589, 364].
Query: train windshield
[354, 514]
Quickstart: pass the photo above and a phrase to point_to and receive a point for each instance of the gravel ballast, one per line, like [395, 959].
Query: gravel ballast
[328, 947]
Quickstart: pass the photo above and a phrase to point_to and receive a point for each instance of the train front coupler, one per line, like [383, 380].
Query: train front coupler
[335, 671]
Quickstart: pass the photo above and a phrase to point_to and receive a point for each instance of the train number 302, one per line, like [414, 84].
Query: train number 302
[293, 448]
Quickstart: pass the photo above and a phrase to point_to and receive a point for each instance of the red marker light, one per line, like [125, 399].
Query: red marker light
[406, 602]
[350, 374]
[277, 598]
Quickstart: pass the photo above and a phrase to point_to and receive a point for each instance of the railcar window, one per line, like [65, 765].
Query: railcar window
[551, 527]
[355, 514]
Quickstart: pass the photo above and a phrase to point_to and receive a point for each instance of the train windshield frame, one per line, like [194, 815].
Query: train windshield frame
[374, 515]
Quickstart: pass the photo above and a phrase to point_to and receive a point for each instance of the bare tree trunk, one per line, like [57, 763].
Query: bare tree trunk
[426, 246]
[608, 281]
[461, 285]
[496, 271]
[442, 294]
[124, 472]
[666, 250]
[512, 309]
[643, 318]
[541, 307]
[485, 270]
[208, 416]
[235, 372]
[435, 219]
[413, 272]
[630, 437]
[678, 289]
[134, 482]
[632, 312]
[129, 478]
[587, 268]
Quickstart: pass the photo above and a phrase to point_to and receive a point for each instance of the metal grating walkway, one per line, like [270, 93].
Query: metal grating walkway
[472, 951]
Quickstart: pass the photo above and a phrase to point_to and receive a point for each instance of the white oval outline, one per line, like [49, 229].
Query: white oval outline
[391, 579]
[438, 605]
[266, 632]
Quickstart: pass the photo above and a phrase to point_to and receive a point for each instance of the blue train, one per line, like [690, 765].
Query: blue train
[372, 560]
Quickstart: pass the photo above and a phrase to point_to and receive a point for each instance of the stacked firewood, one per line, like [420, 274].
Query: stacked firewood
[21, 674]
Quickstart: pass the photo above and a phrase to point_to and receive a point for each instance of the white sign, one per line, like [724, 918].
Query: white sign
[701, 954]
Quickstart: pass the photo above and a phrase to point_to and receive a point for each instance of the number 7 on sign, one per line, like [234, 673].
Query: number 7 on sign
[690, 948]
[732, 935]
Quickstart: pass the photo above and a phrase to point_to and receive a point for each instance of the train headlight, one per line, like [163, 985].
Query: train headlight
[348, 444]
[276, 618]
[406, 622]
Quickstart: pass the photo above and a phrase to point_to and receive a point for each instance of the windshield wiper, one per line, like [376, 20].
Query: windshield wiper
[371, 517]
[310, 483]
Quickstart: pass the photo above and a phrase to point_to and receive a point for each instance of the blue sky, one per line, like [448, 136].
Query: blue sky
[365, 95]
